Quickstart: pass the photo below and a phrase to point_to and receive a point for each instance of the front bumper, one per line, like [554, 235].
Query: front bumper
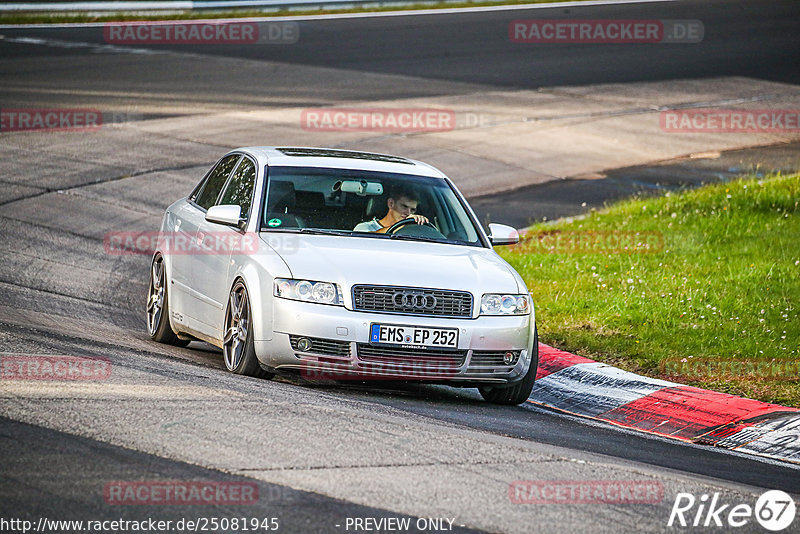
[340, 347]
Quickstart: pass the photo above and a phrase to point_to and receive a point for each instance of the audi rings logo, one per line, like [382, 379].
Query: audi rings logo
[414, 301]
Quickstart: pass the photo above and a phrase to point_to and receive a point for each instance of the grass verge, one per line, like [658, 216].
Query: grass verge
[80, 17]
[705, 294]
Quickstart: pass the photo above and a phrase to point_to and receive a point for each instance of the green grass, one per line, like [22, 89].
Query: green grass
[724, 288]
[67, 17]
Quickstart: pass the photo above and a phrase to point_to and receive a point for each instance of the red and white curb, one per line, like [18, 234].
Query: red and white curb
[587, 388]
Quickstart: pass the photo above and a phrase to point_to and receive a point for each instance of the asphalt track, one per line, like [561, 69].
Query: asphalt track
[742, 38]
[318, 453]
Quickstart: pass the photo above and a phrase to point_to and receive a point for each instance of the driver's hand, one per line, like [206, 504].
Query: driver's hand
[420, 219]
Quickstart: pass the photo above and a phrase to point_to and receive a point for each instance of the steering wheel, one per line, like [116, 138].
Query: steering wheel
[410, 220]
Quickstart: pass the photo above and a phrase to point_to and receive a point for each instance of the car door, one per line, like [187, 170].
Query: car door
[219, 243]
[185, 253]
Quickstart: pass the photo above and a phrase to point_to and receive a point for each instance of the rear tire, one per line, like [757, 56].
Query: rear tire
[158, 307]
[519, 392]
[238, 348]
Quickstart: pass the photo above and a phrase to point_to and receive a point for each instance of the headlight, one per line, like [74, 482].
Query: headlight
[499, 304]
[308, 291]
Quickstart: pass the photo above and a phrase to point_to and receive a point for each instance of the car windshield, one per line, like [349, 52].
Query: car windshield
[355, 202]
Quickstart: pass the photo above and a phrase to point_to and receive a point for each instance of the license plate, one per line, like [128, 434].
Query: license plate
[418, 336]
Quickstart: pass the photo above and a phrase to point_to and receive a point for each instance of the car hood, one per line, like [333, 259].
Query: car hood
[364, 260]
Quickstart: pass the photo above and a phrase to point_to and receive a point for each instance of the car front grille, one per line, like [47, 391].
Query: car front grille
[328, 347]
[412, 301]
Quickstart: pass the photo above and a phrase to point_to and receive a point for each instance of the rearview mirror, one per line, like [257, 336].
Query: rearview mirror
[501, 234]
[227, 214]
[360, 187]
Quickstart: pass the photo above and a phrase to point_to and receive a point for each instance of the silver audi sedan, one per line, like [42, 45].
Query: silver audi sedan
[346, 266]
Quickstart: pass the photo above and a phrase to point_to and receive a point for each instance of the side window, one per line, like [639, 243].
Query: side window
[239, 190]
[216, 179]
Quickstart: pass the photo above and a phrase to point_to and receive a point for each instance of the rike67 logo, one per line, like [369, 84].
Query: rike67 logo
[774, 510]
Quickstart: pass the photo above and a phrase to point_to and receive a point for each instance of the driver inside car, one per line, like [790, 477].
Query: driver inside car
[402, 204]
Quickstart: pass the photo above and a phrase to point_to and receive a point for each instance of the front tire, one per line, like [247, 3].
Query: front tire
[238, 347]
[158, 307]
[519, 392]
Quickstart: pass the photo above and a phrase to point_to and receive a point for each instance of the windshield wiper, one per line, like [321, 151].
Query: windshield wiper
[319, 231]
[418, 238]
[325, 231]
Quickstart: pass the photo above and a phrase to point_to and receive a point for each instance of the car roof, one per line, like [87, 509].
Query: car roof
[338, 159]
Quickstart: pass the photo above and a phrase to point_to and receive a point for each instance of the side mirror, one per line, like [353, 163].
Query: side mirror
[501, 234]
[227, 214]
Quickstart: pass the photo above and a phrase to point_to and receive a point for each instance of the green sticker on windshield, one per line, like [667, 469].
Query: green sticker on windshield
[274, 222]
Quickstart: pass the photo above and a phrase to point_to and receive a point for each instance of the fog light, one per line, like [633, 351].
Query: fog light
[508, 358]
[303, 344]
